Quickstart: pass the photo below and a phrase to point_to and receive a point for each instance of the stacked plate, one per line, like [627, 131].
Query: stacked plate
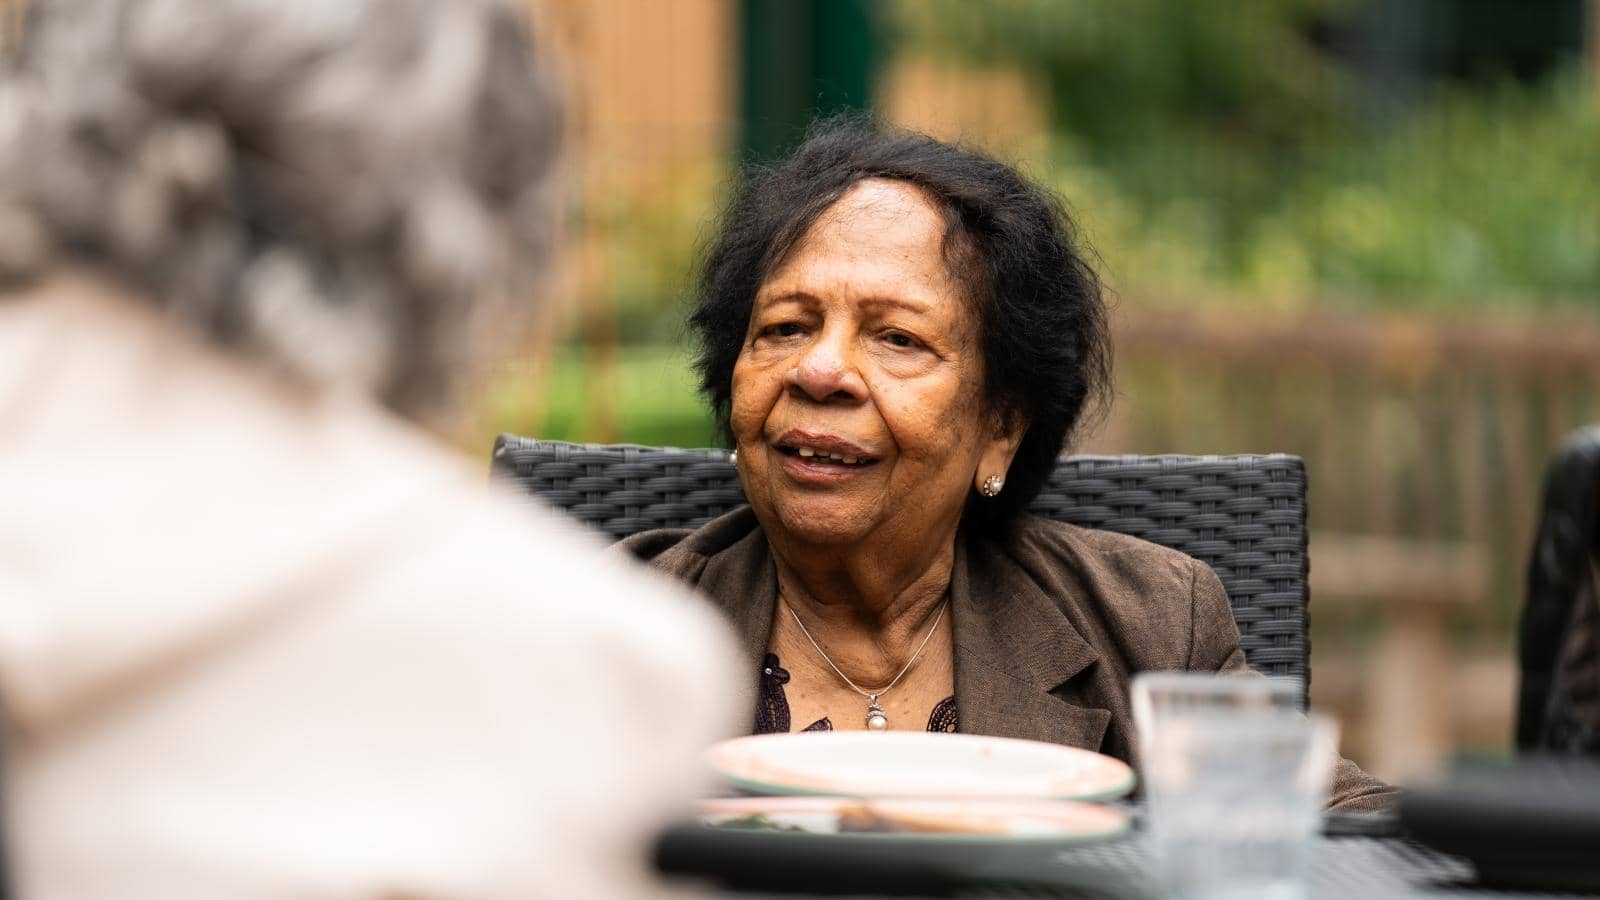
[896, 809]
[916, 785]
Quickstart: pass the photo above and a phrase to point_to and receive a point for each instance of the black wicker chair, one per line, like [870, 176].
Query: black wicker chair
[1244, 516]
[1559, 637]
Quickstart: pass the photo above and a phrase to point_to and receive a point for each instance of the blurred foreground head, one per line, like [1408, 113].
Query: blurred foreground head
[354, 193]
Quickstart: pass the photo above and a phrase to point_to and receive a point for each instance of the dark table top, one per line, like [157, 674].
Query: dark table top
[1363, 868]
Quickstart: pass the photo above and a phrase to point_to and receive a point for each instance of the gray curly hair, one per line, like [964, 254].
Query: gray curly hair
[356, 192]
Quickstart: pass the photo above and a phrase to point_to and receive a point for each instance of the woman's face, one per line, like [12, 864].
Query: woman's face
[858, 396]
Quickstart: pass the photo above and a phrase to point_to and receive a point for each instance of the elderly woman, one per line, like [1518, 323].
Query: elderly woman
[898, 336]
[260, 636]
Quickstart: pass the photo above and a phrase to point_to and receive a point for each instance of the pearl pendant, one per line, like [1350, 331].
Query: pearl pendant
[877, 719]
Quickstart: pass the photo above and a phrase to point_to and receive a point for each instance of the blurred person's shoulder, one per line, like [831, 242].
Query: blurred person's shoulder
[162, 495]
[203, 568]
[527, 563]
[536, 555]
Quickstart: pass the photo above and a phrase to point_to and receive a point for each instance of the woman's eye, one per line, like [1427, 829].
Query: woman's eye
[784, 329]
[901, 339]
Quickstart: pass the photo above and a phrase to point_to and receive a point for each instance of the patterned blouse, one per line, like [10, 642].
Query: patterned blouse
[772, 709]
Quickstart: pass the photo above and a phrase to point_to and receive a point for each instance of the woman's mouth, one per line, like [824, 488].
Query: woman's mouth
[822, 451]
[825, 457]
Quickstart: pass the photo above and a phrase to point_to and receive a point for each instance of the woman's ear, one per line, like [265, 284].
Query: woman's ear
[995, 461]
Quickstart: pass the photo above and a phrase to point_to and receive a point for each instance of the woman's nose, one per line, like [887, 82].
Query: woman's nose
[827, 370]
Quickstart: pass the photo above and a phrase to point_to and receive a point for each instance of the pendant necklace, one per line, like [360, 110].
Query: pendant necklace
[877, 719]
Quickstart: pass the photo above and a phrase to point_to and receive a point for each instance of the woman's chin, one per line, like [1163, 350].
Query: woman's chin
[820, 524]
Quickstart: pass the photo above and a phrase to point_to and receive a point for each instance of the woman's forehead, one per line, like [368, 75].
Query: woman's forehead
[883, 238]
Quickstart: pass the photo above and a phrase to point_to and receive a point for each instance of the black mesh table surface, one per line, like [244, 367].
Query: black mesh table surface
[1344, 867]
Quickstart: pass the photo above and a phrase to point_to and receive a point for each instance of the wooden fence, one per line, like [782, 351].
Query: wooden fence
[1425, 442]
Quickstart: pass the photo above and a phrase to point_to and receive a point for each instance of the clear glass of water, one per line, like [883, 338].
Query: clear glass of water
[1235, 778]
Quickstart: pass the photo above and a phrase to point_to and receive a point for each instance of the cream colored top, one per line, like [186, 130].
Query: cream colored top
[253, 645]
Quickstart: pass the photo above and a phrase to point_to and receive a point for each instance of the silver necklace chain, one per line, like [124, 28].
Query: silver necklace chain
[870, 695]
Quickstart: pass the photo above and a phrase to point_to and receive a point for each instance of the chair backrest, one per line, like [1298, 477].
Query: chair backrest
[1244, 516]
[1558, 706]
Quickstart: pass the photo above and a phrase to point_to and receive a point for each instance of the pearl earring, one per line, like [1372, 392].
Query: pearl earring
[992, 485]
[733, 457]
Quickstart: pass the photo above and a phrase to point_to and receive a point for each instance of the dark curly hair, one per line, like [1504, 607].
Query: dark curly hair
[1009, 242]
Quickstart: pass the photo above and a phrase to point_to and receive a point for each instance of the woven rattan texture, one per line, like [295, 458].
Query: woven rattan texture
[1367, 868]
[1244, 516]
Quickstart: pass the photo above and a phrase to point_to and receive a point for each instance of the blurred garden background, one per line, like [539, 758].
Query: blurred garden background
[1363, 231]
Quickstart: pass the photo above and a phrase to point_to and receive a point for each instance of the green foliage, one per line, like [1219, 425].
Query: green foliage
[652, 235]
[1488, 200]
[1493, 196]
[1210, 154]
[1124, 71]
[650, 399]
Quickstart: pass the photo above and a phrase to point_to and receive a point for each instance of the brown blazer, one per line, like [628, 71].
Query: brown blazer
[1047, 629]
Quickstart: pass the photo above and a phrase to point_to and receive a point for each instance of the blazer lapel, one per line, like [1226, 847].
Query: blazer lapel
[743, 581]
[1019, 660]
[1021, 666]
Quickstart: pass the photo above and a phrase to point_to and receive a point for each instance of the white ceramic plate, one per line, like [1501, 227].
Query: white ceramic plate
[945, 821]
[914, 764]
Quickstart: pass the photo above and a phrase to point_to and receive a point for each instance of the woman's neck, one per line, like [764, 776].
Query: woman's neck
[869, 609]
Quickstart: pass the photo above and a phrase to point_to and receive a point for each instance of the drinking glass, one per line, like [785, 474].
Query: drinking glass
[1235, 778]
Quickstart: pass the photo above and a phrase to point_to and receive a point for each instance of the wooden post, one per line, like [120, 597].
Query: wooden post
[1418, 587]
[594, 167]
[11, 15]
